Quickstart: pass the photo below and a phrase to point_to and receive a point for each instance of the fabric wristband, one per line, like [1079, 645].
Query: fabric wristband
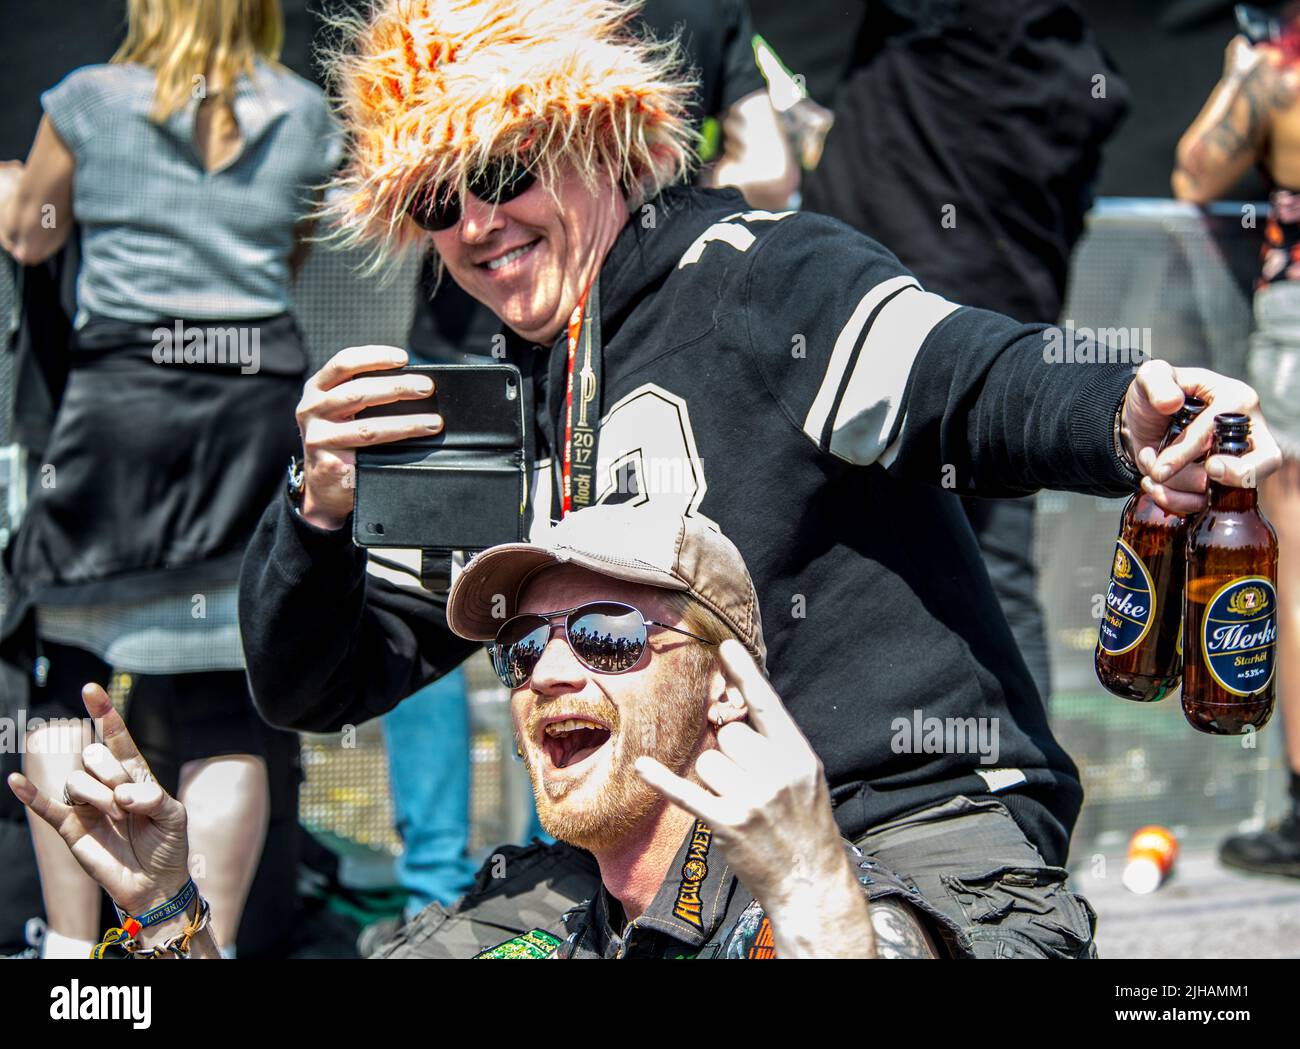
[176, 905]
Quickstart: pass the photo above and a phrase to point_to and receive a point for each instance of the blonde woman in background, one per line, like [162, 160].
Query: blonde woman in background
[187, 163]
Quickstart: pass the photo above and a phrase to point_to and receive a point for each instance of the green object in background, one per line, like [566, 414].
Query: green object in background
[783, 88]
[710, 139]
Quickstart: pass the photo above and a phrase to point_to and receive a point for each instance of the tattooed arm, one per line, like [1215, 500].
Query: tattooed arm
[1229, 134]
[899, 932]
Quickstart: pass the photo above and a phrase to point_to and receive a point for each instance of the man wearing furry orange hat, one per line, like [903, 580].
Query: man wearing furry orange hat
[776, 375]
[454, 106]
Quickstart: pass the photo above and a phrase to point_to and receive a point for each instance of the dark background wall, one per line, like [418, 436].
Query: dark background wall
[1171, 54]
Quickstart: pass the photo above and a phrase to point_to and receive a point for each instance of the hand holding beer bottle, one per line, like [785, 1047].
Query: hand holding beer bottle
[1230, 626]
[1173, 474]
[1139, 655]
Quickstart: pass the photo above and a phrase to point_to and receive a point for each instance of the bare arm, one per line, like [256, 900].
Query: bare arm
[36, 202]
[757, 158]
[1228, 136]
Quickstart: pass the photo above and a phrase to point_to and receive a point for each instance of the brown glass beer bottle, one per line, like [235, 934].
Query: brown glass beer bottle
[1230, 625]
[1138, 654]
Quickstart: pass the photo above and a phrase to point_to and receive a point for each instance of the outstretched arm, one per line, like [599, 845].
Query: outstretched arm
[878, 372]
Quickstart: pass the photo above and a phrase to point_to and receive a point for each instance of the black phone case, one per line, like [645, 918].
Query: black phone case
[462, 489]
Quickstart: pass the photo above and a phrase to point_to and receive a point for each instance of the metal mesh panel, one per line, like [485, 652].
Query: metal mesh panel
[337, 307]
[346, 798]
[345, 794]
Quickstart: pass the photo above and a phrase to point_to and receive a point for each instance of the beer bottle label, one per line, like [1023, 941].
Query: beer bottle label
[1130, 603]
[1239, 634]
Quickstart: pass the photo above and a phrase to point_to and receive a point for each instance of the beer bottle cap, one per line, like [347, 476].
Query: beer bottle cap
[1192, 407]
[1232, 422]
[1231, 433]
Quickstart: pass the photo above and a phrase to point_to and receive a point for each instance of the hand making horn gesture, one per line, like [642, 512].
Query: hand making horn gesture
[764, 795]
[127, 832]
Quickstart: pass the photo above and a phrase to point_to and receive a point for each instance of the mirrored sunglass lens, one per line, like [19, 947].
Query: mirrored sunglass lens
[608, 637]
[516, 654]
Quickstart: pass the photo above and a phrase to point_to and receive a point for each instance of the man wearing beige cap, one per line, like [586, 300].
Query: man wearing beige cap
[631, 644]
[632, 647]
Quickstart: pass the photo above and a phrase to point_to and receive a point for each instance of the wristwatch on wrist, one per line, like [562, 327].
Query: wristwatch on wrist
[297, 481]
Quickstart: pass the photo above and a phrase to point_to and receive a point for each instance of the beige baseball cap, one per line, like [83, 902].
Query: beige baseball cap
[634, 544]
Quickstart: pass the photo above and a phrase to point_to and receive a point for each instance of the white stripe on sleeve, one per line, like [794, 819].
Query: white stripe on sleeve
[815, 422]
[873, 392]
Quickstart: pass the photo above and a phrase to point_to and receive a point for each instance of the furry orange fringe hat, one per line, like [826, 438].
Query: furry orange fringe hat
[431, 89]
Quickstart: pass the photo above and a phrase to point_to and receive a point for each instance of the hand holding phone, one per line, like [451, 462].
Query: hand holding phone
[331, 431]
[462, 488]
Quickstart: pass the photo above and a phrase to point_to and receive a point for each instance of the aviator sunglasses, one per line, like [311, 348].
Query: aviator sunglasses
[502, 180]
[606, 636]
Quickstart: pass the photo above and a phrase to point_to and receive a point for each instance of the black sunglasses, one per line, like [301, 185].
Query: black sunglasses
[607, 636]
[504, 179]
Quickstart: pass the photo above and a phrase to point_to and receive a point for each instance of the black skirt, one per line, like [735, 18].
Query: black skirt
[164, 453]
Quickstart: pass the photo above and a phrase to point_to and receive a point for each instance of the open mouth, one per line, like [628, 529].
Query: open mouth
[570, 741]
[502, 261]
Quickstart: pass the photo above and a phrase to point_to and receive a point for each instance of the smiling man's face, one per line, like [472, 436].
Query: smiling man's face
[581, 731]
[528, 260]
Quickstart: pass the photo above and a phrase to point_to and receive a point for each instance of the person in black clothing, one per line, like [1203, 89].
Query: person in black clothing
[967, 137]
[796, 387]
[731, 110]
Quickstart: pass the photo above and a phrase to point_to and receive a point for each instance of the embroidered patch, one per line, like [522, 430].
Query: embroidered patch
[763, 946]
[535, 944]
[694, 870]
